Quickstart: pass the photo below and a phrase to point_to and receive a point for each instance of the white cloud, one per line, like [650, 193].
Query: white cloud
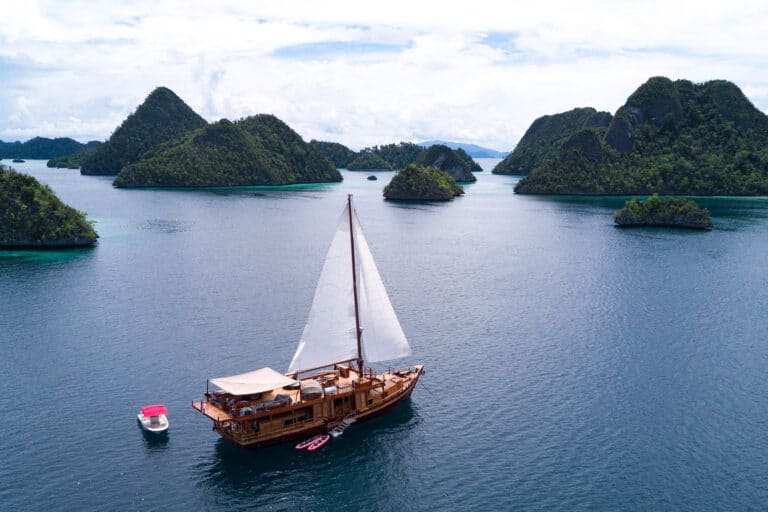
[358, 73]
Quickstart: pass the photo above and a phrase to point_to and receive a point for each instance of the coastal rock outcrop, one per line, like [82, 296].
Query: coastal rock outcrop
[667, 212]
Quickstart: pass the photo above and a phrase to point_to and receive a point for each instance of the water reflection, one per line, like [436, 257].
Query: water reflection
[308, 479]
[417, 205]
[731, 207]
[154, 442]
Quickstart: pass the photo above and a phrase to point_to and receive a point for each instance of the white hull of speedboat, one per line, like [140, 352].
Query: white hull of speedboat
[153, 424]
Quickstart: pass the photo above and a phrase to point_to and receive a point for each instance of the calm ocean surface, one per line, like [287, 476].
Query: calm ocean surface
[570, 365]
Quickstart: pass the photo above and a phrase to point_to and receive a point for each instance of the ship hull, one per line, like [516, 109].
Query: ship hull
[320, 424]
[322, 429]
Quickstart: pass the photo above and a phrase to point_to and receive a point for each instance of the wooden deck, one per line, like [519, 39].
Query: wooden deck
[281, 414]
[225, 407]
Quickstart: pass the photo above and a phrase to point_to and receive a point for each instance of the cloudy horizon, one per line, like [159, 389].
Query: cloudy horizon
[358, 74]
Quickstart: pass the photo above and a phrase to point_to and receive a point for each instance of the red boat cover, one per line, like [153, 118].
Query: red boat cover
[153, 410]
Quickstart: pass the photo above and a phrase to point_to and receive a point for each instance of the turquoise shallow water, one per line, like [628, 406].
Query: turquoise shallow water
[571, 365]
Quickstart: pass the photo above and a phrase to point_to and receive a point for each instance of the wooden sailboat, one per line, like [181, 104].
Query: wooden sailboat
[328, 384]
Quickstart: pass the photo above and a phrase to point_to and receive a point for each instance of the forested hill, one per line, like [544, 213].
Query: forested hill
[472, 150]
[546, 134]
[257, 150]
[162, 117]
[676, 138]
[32, 217]
[337, 153]
[40, 148]
[75, 160]
[369, 161]
[415, 183]
[397, 155]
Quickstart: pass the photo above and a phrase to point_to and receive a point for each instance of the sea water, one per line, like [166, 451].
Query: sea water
[570, 364]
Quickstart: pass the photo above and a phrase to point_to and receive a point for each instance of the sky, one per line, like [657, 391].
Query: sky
[363, 72]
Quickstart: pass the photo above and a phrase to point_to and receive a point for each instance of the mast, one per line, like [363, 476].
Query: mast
[354, 288]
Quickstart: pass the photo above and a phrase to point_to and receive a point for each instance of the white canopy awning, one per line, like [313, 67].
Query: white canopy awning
[250, 383]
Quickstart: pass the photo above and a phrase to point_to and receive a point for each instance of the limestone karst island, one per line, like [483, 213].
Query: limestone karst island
[416, 183]
[164, 143]
[672, 212]
[32, 217]
[670, 138]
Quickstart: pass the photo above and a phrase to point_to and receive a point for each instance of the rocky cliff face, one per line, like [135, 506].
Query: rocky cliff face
[670, 137]
[546, 135]
[448, 160]
[656, 102]
[586, 143]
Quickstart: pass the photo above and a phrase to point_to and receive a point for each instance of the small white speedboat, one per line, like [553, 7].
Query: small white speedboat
[153, 418]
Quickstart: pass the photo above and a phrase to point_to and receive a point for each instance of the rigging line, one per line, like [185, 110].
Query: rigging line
[428, 391]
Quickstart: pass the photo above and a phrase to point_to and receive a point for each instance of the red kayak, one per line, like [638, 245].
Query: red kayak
[318, 443]
[308, 442]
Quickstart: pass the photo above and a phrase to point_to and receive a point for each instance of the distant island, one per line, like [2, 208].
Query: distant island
[162, 117]
[670, 138]
[339, 154]
[75, 160]
[369, 161]
[472, 150]
[398, 155]
[668, 212]
[546, 135]
[456, 163]
[416, 183]
[256, 150]
[40, 148]
[164, 143]
[32, 217]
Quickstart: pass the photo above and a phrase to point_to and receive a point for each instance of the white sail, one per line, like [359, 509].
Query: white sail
[329, 335]
[383, 337]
